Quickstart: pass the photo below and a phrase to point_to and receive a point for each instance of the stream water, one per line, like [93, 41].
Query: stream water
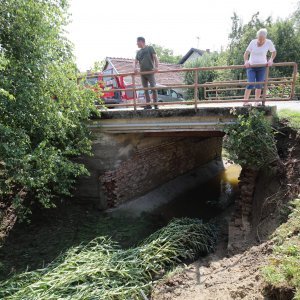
[205, 201]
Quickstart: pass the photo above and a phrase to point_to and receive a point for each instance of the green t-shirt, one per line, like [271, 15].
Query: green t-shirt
[145, 58]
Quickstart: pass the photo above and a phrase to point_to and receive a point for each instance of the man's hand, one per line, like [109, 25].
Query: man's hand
[270, 62]
[247, 64]
[155, 69]
[136, 70]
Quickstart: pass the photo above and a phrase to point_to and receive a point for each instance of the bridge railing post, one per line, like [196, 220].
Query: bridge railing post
[265, 86]
[295, 71]
[134, 92]
[196, 88]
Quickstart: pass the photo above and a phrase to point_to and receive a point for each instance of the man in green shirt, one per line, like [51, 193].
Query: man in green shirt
[147, 59]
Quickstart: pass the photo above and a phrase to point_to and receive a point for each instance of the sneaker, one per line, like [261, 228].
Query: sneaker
[155, 106]
[148, 107]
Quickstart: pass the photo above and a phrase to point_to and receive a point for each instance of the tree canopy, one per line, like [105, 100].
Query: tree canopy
[42, 108]
[166, 55]
[285, 33]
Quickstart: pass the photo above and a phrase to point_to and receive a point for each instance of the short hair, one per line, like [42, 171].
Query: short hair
[262, 32]
[141, 39]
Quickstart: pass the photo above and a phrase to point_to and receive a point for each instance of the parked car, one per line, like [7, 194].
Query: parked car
[163, 95]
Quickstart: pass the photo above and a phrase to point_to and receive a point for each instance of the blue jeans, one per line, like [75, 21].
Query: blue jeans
[255, 75]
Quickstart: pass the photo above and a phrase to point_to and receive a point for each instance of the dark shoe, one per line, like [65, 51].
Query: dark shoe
[148, 107]
[155, 106]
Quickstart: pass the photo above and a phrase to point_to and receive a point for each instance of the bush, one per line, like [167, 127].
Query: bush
[250, 141]
[42, 109]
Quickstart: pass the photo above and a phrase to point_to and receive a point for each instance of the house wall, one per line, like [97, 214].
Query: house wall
[193, 57]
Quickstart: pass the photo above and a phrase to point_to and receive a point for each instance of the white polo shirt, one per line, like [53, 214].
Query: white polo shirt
[258, 55]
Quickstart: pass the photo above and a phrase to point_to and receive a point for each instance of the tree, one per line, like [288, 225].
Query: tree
[42, 109]
[166, 55]
[286, 37]
[239, 38]
[296, 17]
[206, 60]
[284, 33]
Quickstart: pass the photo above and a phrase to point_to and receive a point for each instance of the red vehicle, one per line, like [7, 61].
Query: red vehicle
[109, 83]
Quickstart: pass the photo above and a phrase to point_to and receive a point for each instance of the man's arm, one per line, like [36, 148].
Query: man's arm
[155, 59]
[135, 65]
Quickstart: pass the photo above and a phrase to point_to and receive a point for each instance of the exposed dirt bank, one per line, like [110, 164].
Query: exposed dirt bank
[236, 273]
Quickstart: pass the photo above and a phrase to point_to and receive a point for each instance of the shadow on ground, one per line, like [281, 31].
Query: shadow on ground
[53, 231]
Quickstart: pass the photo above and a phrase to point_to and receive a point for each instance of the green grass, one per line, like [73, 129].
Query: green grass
[53, 231]
[102, 270]
[283, 270]
[293, 117]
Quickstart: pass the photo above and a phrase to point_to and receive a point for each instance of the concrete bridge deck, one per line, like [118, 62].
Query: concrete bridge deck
[182, 119]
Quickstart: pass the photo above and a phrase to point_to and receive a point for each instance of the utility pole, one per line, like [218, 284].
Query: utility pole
[198, 39]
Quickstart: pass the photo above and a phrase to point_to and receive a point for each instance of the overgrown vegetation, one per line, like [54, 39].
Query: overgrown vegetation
[250, 141]
[101, 270]
[283, 270]
[42, 109]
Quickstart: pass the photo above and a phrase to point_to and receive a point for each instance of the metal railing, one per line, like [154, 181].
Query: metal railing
[214, 87]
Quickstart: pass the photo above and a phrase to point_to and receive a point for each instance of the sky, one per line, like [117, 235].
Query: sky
[101, 28]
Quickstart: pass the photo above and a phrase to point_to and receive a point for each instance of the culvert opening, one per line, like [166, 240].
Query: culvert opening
[205, 201]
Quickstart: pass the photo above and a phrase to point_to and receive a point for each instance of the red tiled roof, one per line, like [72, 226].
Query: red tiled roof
[125, 65]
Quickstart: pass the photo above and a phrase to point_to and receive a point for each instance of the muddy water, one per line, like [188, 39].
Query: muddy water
[205, 201]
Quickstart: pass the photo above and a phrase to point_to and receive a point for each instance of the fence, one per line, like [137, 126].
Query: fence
[215, 91]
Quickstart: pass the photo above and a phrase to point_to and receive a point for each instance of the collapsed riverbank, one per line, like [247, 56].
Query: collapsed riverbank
[265, 265]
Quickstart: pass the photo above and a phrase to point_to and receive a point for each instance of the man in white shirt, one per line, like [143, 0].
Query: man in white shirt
[258, 50]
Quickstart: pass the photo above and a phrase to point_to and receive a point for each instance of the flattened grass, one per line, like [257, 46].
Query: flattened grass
[102, 270]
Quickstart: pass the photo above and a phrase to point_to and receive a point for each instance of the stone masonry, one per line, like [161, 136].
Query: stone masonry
[125, 166]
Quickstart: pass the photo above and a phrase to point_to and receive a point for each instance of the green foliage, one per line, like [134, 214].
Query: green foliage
[296, 16]
[283, 269]
[166, 55]
[206, 60]
[284, 33]
[42, 108]
[98, 66]
[250, 140]
[241, 35]
[286, 37]
[101, 270]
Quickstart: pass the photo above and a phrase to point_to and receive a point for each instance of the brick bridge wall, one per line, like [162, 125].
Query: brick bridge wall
[125, 166]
